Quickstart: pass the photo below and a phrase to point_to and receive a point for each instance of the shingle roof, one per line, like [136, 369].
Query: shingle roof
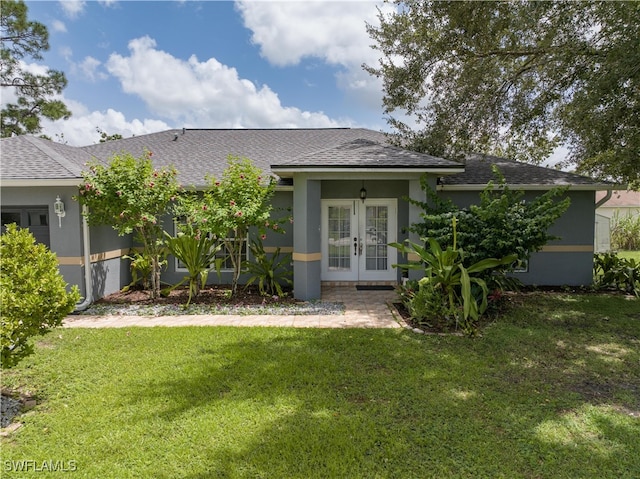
[366, 153]
[478, 172]
[28, 157]
[197, 153]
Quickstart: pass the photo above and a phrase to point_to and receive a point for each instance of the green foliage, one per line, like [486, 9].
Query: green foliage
[35, 93]
[270, 271]
[611, 271]
[503, 223]
[132, 197]
[197, 252]
[141, 269]
[449, 290]
[104, 136]
[232, 204]
[515, 79]
[33, 295]
[625, 232]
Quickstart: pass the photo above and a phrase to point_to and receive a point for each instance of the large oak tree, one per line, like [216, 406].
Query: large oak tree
[517, 79]
[34, 92]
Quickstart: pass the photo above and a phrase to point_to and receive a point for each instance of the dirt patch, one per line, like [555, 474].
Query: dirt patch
[605, 392]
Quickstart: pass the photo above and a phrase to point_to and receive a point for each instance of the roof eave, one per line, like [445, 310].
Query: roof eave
[288, 172]
[21, 182]
[530, 187]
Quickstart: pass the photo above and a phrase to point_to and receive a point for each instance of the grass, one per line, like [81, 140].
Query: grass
[551, 390]
[629, 255]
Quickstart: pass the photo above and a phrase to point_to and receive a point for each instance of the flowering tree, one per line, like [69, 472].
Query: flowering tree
[234, 203]
[132, 197]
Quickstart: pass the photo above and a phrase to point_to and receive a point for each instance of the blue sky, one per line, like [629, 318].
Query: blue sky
[136, 67]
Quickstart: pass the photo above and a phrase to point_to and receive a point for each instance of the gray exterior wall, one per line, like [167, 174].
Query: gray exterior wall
[282, 209]
[109, 273]
[566, 261]
[65, 241]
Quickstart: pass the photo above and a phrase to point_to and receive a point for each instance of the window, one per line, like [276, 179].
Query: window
[227, 264]
[35, 218]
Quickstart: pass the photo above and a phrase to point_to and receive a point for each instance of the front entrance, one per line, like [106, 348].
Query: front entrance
[355, 240]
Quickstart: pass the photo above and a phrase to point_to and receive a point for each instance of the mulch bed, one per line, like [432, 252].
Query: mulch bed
[214, 294]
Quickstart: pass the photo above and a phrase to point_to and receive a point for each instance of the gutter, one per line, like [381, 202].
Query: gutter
[606, 198]
[88, 287]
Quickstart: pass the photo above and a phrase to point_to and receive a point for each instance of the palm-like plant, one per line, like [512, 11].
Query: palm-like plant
[269, 272]
[445, 273]
[197, 253]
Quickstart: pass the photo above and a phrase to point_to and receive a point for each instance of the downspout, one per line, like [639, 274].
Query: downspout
[606, 198]
[87, 263]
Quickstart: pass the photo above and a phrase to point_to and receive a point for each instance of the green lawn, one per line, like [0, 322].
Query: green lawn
[629, 255]
[552, 390]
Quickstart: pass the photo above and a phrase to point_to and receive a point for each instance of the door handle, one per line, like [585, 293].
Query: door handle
[360, 247]
[355, 246]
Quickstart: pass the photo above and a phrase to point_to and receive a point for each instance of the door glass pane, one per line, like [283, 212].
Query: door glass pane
[339, 231]
[376, 228]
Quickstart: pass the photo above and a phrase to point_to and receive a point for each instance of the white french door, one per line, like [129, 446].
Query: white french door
[355, 240]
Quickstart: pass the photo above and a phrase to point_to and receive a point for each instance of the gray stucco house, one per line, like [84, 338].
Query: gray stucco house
[345, 188]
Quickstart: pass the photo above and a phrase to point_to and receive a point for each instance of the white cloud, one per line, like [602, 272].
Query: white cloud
[73, 8]
[203, 94]
[58, 26]
[334, 32]
[81, 128]
[89, 68]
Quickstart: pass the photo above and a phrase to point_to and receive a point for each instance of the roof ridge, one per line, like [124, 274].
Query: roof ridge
[68, 165]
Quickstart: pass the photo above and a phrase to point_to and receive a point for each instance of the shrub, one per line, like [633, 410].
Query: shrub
[271, 272]
[611, 271]
[449, 291]
[625, 232]
[33, 294]
[197, 252]
[503, 223]
[141, 270]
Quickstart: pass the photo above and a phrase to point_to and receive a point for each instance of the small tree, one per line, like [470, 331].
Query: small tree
[33, 294]
[132, 197]
[502, 223]
[241, 199]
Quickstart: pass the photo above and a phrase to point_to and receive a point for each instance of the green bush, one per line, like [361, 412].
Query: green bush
[33, 295]
[503, 223]
[271, 272]
[449, 292]
[197, 252]
[611, 271]
[625, 233]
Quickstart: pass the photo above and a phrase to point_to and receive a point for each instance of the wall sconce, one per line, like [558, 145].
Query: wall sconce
[363, 192]
[58, 208]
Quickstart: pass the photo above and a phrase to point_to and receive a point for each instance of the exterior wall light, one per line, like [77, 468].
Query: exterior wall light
[58, 208]
[363, 193]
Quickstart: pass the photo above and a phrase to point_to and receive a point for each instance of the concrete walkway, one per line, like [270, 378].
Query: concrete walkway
[363, 309]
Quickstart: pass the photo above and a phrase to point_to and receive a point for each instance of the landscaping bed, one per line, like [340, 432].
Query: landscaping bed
[215, 299]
